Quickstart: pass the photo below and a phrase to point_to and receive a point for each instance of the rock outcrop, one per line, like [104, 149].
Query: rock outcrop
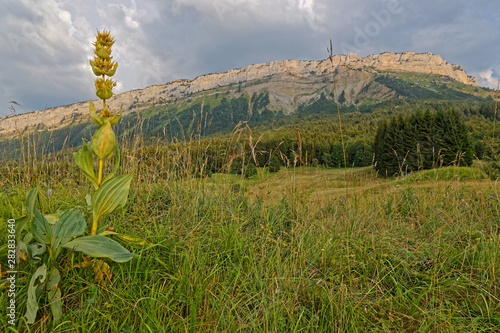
[289, 82]
[426, 63]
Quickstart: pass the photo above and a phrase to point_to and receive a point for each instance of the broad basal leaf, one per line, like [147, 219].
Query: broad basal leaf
[100, 246]
[21, 224]
[31, 196]
[70, 224]
[36, 249]
[32, 302]
[42, 230]
[54, 293]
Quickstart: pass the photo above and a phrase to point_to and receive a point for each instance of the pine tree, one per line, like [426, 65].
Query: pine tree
[421, 141]
[337, 155]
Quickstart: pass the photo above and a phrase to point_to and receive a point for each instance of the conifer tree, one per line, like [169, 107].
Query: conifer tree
[422, 140]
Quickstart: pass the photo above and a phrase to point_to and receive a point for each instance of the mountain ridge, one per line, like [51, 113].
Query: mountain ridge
[290, 83]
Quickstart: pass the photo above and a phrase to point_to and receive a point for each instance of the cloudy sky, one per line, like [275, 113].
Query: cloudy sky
[45, 44]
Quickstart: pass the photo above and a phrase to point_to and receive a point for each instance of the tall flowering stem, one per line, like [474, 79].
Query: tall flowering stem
[103, 143]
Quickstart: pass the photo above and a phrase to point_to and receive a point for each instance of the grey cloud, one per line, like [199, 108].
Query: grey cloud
[158, 41]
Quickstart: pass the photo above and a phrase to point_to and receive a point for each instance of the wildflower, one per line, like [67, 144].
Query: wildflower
[102, 66]
[322, 250]
[103, 91]
[385, 255]
[478, 239]
[493, 195]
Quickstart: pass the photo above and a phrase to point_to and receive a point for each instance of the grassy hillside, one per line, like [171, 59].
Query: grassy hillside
[431, 87]
[301, 250]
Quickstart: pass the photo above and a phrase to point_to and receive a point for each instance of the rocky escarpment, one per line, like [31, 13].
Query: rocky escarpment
[289, 83]
[426, 63]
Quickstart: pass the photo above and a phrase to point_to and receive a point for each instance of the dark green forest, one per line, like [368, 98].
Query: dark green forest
[422, 140]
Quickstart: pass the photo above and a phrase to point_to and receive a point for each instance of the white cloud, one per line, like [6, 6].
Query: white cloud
[487, 78]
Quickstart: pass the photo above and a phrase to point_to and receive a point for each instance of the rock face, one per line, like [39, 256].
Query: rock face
[289, 83]
[426, 63]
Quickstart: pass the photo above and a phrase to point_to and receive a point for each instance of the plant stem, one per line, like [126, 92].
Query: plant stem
[99, 179]
[94, 227]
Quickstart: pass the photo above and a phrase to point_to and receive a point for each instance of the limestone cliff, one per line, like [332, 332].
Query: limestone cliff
[289, 83]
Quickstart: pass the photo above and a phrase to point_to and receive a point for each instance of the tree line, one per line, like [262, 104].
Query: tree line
[422, 140]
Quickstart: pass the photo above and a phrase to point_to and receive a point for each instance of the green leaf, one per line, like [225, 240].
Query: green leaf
[88, 200]
[35, 249]
[100, 246]
[102, 53]
[117, 164]
[96, 71]
[133, 240]
[31, 196]
[42, 230]
[83, 160]
[28, 237]
[112, 71]
[21, 224]
[93, 115]
[71, 224]
[111, 195]
[32, 302]
[103, 141]
[52, 218]
[113, 120]
[54, 292]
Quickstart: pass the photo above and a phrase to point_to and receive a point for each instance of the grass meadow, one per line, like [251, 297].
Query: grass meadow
[302, 250]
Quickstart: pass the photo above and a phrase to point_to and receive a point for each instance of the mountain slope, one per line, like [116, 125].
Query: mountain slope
[216, 102]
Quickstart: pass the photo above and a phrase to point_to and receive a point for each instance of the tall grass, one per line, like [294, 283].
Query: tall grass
[285, 252]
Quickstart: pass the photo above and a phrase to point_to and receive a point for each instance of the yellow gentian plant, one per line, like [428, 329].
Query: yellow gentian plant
[49, 234]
